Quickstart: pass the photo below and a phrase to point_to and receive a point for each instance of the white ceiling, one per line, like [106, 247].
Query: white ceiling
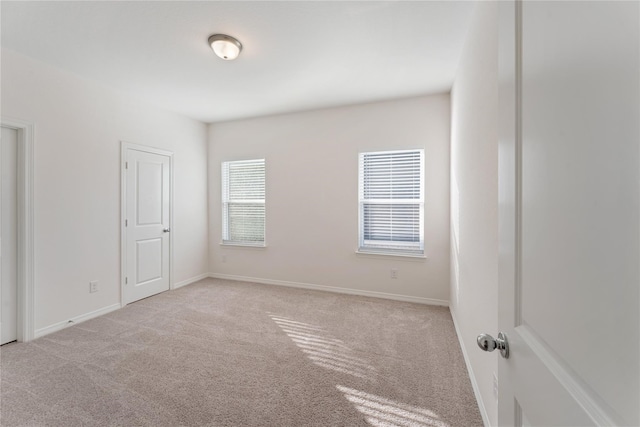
[297, 55]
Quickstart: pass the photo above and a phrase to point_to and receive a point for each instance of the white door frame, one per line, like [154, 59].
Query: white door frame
[125, 146]
[25, 324]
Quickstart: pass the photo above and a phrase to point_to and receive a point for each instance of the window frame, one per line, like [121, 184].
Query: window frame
[225, 180]
[388, 249]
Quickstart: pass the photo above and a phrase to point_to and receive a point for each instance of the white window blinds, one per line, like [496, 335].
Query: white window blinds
[243, 207]
[391, 202]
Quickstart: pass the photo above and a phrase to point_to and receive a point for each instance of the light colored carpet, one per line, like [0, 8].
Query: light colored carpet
[223, 353]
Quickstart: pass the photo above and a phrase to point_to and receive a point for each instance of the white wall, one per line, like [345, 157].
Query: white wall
[474, 200]
[312, 202]
[78, 128]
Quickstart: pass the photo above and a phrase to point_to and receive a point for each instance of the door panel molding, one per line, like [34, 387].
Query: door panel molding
[124, 148]
[577, 391]
[25, 170]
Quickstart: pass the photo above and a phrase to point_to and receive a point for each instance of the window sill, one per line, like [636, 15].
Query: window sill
[391, 254]
[243, 245]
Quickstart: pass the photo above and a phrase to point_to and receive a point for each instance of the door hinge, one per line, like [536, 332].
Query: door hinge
[126, 222]
[126, 165]
[126, 280]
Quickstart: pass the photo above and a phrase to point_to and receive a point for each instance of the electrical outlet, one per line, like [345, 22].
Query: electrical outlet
[394, 273]
[93, 286]
[495, 386]
[224, 258]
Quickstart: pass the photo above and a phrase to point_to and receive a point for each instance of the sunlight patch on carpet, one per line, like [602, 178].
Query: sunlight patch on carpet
[381, 412]
[324, 350]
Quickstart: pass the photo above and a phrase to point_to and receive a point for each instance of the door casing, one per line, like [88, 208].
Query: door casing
[25, 258]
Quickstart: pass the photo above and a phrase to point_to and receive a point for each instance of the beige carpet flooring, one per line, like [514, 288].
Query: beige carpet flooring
[223, 353]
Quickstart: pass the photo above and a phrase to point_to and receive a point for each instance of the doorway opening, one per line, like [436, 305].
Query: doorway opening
[8, 236]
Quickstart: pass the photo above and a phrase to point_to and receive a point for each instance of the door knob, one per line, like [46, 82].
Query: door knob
[166, 230]
[488, 343]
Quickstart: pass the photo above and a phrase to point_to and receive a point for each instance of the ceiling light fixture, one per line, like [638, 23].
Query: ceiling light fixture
[226, 47]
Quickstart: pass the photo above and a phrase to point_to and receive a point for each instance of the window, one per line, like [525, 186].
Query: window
[243, 210]
[392, 202]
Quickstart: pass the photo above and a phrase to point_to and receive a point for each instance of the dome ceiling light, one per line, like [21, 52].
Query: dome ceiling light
[226, 47]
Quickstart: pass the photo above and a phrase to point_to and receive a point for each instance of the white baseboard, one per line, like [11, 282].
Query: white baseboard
[474, 383]
[384, 295]
[191, 280]
[78, 319]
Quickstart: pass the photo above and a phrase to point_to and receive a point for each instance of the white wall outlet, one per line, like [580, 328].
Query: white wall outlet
[93, 286]
[394, 273]
[224, 258]
[495, 386]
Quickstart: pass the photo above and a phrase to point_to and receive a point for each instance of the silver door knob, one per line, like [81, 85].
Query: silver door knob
[166, 230]
[487, 343]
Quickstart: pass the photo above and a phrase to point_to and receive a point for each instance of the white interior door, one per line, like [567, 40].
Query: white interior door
[147, 223]
[569, 213]
[9, 235]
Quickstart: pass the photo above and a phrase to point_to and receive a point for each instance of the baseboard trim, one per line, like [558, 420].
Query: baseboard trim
[349, 291]
[75, 320]
[472, 377]
[190, 281]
